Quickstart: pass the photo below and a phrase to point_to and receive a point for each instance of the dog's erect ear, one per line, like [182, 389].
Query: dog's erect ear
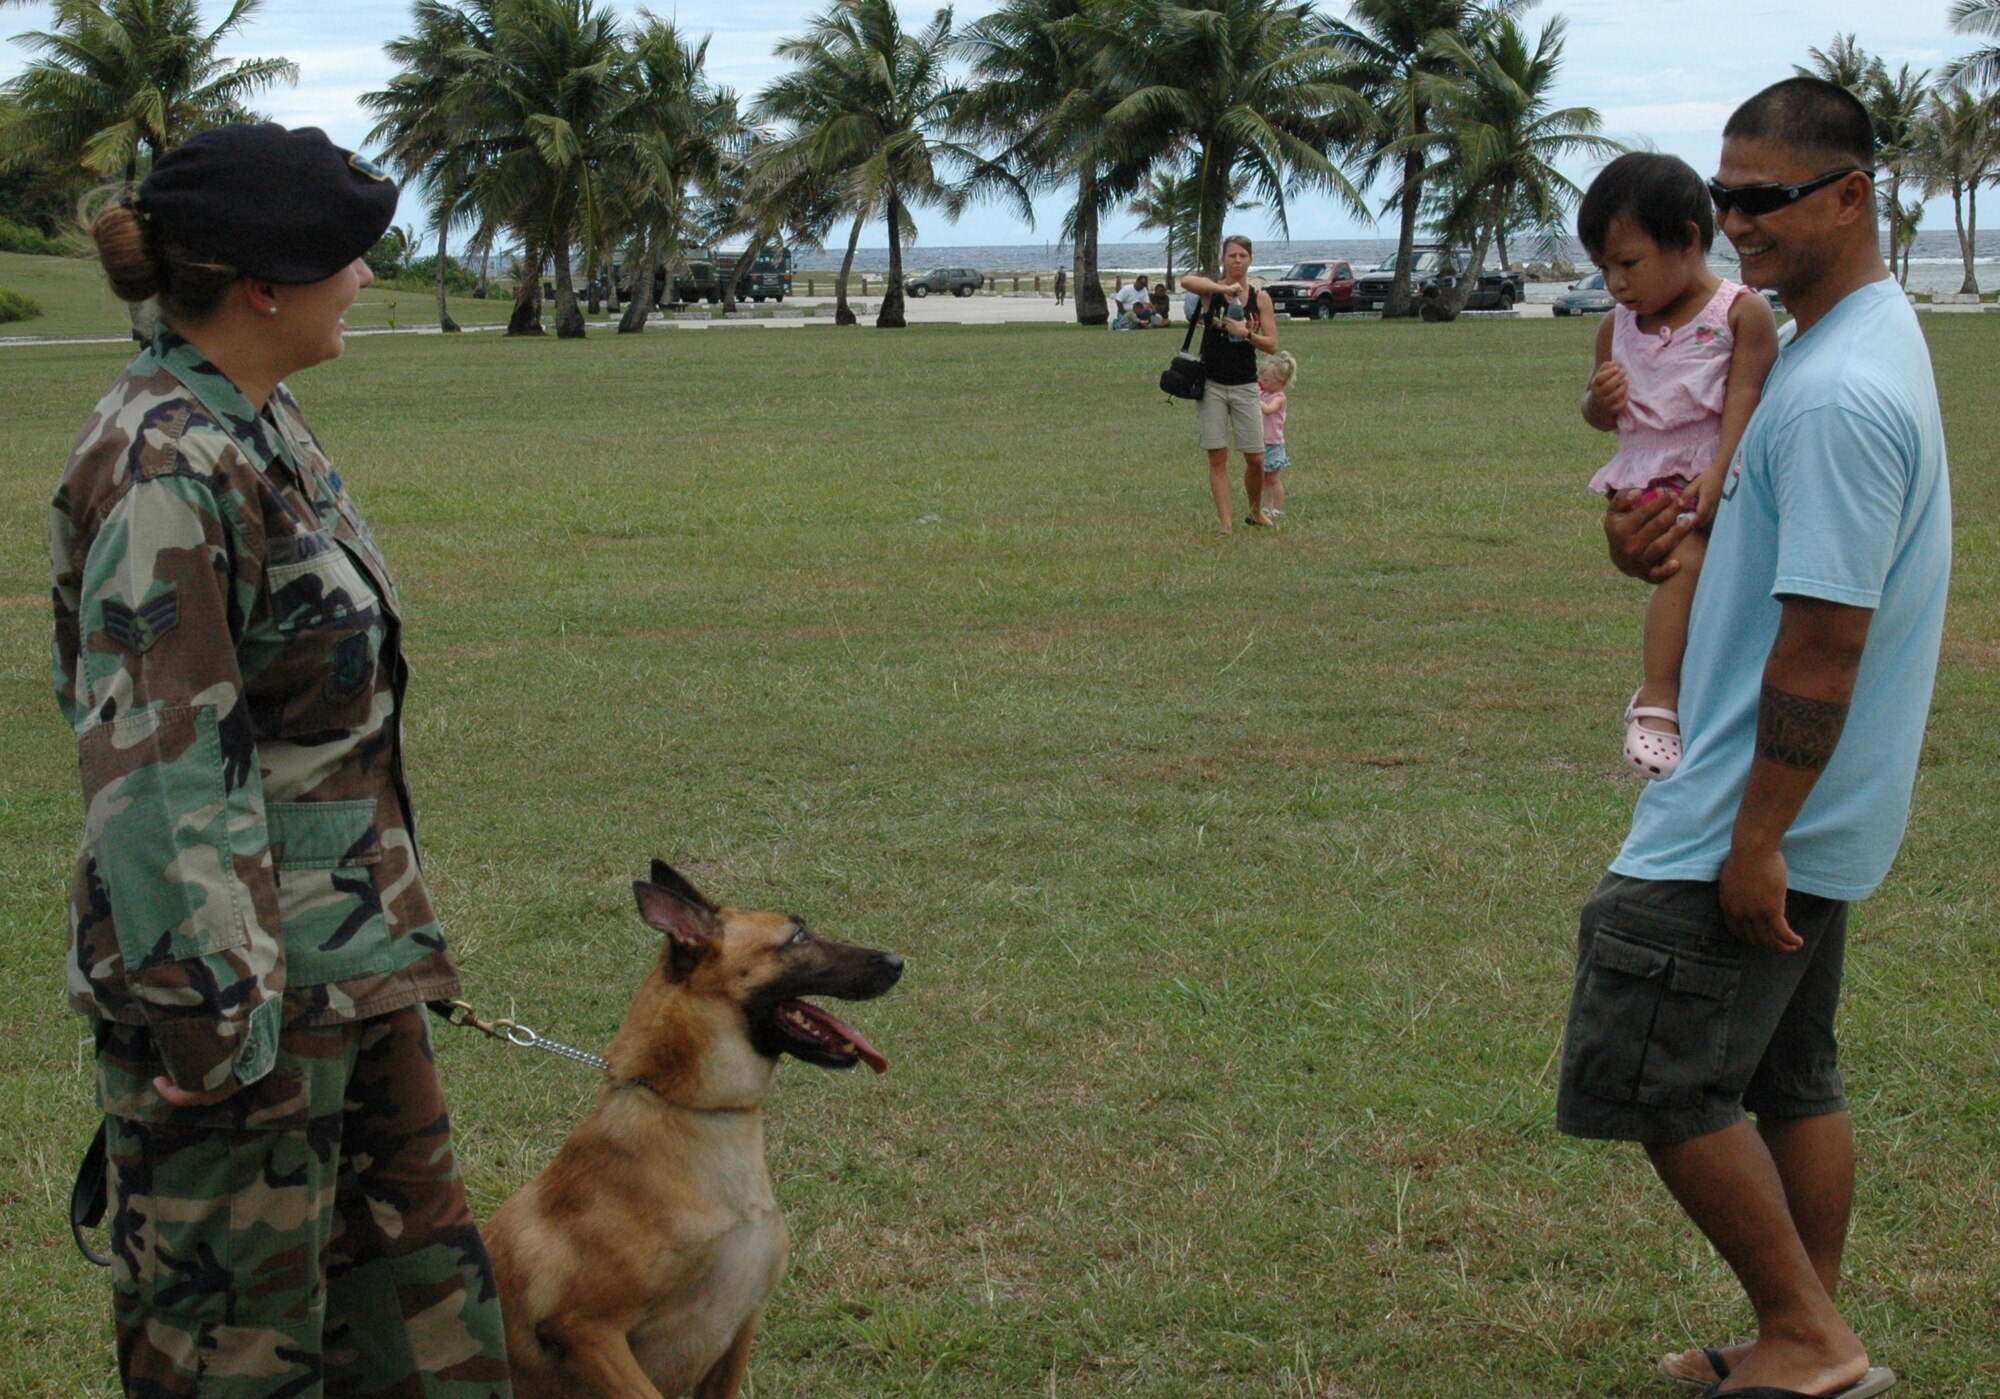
[690, 927]
[671, 879]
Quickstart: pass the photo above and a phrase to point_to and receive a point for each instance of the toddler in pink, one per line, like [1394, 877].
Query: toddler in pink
[1680, 364]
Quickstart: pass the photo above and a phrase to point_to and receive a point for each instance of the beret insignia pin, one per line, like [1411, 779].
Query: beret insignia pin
[369, 168]
[137, 629]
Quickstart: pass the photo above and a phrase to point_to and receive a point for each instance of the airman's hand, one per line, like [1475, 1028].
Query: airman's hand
[181, 1098]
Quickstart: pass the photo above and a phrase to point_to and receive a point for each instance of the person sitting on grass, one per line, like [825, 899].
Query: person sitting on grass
[1680, 363]
[1135, 305]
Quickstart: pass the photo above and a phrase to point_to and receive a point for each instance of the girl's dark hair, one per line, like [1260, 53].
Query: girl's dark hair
[141, 265]
[1661, 194]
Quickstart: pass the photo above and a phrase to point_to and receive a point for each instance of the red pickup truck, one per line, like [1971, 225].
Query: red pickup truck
[1319, 288]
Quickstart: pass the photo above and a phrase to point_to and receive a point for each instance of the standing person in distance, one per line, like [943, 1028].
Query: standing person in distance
[1680, 363]
[1062, 285]
[1709, 959]
[250, 934]
[1236, 322]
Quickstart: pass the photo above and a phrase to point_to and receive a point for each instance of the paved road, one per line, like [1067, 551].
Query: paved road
[1002, 309]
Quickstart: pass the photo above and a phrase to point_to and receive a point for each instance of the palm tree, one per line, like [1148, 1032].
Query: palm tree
[669, 145]
[1844, 63]
[121, 82]
[419, 122]
[871, 104]
[1039, 94]
[1981, 67]
[1247, 88]
[1400, 60]
[1169, 204]
[1960, 151]
[1896, 107]
[1498, 141]
[544, 98]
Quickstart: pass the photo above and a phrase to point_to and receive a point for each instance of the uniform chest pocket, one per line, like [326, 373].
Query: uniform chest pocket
[315, 585]
[328, 629]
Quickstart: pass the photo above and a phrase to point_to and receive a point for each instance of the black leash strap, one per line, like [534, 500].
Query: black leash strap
[88, 1197]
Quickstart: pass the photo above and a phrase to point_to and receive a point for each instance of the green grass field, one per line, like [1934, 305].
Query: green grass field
[75, 301]
[1237, 877]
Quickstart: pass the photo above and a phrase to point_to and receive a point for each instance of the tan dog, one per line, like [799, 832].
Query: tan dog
[637, 1264]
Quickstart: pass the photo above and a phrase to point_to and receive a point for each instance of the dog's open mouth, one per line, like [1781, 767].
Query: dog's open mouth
[832, 1039]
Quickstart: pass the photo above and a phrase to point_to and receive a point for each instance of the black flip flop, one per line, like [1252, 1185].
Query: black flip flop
[1879, 1380]
[1717, 1361]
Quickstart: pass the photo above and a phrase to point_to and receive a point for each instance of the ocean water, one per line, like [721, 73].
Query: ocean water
[1934, 259]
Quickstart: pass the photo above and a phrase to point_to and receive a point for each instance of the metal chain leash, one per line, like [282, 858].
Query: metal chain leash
[520, 1036]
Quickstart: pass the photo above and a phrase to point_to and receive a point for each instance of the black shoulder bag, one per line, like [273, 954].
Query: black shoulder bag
[1184, 377]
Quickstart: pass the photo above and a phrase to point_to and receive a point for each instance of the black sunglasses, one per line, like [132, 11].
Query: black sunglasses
[1754, 201]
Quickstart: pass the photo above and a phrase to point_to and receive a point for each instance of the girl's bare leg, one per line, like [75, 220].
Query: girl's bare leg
[1274, 490]
[1218, 485]
[1667, 633]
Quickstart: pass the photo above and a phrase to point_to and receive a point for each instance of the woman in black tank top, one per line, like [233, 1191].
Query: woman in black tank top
[1236, 323]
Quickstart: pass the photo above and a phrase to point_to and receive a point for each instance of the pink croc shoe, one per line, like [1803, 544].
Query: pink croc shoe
[1652, 754]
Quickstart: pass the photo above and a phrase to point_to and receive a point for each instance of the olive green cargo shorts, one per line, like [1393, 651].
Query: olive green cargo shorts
[1676, 1029]
[307, 1237]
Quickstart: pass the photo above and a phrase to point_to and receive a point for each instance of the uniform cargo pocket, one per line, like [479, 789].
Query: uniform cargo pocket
[1654, 1024]
[328, 903]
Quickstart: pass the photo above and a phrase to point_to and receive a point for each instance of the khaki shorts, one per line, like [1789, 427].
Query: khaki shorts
[1676, 1029]
[1231, 411]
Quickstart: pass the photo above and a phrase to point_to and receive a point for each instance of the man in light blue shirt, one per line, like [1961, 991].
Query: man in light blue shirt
[1709, 960]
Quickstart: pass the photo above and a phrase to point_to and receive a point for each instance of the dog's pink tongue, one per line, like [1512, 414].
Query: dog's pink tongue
[832, 1023]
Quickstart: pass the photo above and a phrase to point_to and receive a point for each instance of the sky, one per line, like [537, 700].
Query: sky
[1661, 73]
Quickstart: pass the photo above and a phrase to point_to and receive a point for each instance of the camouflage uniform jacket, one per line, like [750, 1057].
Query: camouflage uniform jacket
[228, 651]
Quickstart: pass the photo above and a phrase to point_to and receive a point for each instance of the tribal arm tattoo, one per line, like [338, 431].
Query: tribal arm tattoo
[1797, 732]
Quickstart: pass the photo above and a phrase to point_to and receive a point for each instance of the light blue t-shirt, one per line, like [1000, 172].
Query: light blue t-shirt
[1838, 492]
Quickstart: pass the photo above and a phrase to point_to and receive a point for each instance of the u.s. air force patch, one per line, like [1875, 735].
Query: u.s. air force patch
[137, 629]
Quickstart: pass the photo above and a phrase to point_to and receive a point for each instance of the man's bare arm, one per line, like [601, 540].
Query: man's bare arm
[1808, 685]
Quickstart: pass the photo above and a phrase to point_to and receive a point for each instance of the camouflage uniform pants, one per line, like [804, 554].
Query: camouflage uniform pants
[308, 1237]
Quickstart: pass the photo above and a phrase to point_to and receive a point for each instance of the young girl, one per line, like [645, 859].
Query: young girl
[1680, 363]
[1272, 382]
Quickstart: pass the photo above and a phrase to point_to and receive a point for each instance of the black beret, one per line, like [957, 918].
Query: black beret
[277, 205]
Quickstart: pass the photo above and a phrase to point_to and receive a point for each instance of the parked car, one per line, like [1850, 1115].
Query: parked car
[1582, 298]
[1434, 271]
[959, 281]
[1317, 289]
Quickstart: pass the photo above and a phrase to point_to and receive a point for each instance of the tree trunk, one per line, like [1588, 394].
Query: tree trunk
[1468, 278]
[891, 315]
[1091, 308]
[1211, 198]
[1967, 232]
[641, 304]
[445, 322]
[1502, 236]
[841, 315]
[1895, 212]
[611, 283]
[1399, 303]
[527, 317]
[485, 261]
[743, 265]
[569, 316]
